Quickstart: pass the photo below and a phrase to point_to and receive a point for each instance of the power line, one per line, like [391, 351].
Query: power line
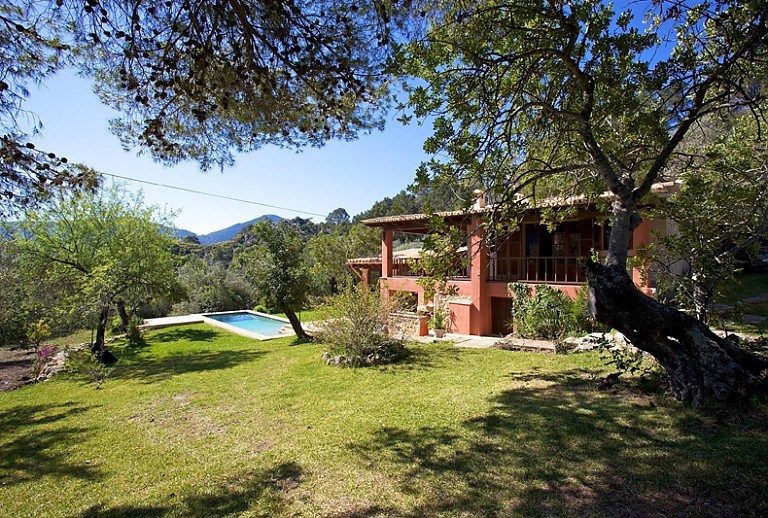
[212, 195]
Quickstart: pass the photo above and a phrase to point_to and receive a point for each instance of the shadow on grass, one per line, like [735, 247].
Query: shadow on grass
[33, 445]
[151, 368]
[301, 341]
[177, 334]
[423, 357]
[267, 490]
[557, 447]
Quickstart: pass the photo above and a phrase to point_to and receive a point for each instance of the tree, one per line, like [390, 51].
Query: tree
[329, 253]
[721, 216]
[553, 98]
[13, 312]
[32, 49]
[337, 217]
[277, 269]
[211, 286]
[193, 80]
[439, 194]
[108, 247]
[24, 302]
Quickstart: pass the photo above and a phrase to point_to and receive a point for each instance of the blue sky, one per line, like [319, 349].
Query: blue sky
[352, 175]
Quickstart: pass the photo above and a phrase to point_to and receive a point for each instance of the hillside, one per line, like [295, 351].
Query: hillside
[225, 234]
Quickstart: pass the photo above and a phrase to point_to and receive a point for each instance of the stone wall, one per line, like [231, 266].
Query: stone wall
[407, 326]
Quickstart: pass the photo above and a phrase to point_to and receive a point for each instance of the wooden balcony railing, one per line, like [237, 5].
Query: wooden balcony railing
[409, 268]
[549, 269]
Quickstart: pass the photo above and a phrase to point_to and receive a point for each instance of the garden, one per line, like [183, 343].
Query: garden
[199, 422]
[531, 105]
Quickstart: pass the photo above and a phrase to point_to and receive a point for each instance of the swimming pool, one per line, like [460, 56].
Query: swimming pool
[248, 323]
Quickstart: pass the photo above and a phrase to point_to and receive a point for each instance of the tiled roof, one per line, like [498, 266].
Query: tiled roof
[661, 190]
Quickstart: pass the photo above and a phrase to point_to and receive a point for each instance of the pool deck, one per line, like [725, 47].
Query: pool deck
[473, 342]
[159, 323]
[486, 342]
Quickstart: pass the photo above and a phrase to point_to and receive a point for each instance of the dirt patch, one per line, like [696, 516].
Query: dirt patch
[15, 368]
[177, 416]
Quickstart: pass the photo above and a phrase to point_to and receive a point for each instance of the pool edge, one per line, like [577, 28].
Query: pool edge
[243, 332]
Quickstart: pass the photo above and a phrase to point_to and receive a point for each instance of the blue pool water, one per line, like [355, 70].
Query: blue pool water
[251, 322]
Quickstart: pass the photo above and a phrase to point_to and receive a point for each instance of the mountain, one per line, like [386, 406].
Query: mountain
[225, 234]
[181, 233]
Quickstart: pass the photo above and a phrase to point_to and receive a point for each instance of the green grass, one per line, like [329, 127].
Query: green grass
[747, 285]
[205, 423]
[305, 315]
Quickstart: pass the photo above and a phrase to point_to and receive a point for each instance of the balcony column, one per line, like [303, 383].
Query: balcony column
[386, 253]
[480, 312]
[386, 262]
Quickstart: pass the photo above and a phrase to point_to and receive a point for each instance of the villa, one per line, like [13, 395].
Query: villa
[530, 254]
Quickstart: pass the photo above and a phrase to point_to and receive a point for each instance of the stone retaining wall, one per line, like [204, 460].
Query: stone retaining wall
[408, 326]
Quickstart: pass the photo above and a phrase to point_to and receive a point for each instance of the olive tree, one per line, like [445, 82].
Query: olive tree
[277, 268]
[109, 248]
[554, 97]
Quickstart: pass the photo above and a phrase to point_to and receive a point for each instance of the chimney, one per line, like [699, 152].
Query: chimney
[479, 199]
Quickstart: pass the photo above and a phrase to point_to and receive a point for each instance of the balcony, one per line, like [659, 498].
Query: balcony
[544, 269]
[409, 267]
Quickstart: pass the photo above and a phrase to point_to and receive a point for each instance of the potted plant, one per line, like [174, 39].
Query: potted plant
[438, 322]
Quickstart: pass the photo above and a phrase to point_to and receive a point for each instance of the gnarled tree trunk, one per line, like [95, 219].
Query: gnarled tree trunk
[702, 366]
[295, 323]
[97, 347]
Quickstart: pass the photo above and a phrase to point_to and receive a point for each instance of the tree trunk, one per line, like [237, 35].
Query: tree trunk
[97, 347]
[702, 366]
[124, 318]
[295, 324]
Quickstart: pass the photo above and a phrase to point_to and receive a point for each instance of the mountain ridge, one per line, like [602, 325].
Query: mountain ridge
[227, 233]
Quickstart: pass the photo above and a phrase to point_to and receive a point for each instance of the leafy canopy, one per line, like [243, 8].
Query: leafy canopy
[720, 215]
[277, 267]
[559, 97]
[194, 80]
[104, 247]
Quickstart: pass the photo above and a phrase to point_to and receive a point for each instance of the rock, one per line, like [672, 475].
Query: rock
[56, 363]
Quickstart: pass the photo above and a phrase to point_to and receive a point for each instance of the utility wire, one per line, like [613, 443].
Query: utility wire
[211, 194]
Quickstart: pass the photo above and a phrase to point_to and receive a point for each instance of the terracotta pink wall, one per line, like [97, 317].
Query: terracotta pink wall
[386, 253]
[460, 317]
[641, 239]
[474, 316]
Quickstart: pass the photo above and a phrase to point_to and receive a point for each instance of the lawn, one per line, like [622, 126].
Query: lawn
[200, 422]
[748, 295]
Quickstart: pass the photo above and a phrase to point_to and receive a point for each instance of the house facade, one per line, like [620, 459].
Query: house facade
[531, 254]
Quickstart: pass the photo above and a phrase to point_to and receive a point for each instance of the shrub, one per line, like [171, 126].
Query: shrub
[439, 320]
[134, 334]
[549, 313]
[545, 314]
[43, 355]
[38, 331]
[582, 319]
[354, 326]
